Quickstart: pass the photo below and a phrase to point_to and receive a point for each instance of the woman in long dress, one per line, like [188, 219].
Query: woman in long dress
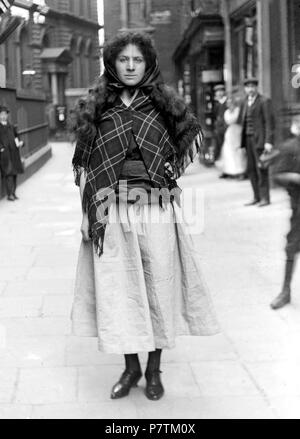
[233, 162]
[138, 282]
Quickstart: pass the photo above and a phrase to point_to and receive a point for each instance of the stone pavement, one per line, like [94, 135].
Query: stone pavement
[250, 370]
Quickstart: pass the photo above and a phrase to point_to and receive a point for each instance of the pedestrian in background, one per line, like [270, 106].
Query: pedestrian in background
[257, 136]
[139, 284]
[10, 160]
[232, 161]
[287, 174]
[219, 122]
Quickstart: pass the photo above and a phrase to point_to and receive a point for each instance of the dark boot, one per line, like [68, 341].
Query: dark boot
[154, 388]
[281, 300]
[15, 188]
[285, 296]
[9, 181]
[129, 378]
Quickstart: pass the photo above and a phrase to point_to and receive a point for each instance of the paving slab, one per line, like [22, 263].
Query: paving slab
[39, 287]
[121, 409]
[37, 325]
[8, 378]
[20, 307]
[83, 351]
[15, 411]
[206, 408]
[35, 351]
[276, 378]
[286, 407]
[2, 287]
[51, 385]
[57, 305]
[200, 349]
[227, 378]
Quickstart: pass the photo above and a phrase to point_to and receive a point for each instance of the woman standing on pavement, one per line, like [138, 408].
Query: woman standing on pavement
[233, 161]
[138, 283]
[10, 160]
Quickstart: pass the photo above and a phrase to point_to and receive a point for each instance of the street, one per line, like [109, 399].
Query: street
[249, 370]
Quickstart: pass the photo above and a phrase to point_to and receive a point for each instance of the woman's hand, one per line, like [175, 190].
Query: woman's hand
[19, 143]
[85, 227]
[168, 167]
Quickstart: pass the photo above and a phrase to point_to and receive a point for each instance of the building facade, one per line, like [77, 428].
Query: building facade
[50, 60]
[263, 39]
[199, 59]
[229, 40]
[54, 53]
[70, 57]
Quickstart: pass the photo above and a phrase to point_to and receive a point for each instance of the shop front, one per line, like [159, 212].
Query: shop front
[262, 39]
[199, 61]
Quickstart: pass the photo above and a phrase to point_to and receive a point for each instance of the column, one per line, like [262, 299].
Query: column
[124, 14]
[54, 88]
[228, 48]
[2, 67]
[264, 46]
[286, 76]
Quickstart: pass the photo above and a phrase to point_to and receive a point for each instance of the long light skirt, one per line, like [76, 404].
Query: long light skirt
[146, 288]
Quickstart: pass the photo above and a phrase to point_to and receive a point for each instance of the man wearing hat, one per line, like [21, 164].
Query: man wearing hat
[257, 121]
[219, 110]
[10, 161]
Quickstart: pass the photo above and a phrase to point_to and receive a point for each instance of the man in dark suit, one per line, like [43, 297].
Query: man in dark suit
[219, 123]
[257, 136]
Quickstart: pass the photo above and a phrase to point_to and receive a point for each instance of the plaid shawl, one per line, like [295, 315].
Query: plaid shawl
[102, 156]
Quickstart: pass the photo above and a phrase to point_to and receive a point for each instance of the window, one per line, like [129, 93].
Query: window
[136, 12]
[46, 41]
[73, 64]
[89, 62]
[25, 59]
[81, 66]
[294, 19]
[82, 10]
[9, 59]
[72, 6]
[89, 9]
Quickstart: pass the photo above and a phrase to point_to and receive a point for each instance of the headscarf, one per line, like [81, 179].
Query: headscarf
[151, 77]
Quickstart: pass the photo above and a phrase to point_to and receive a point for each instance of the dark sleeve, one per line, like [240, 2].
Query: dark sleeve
[269, 120]
[288, 159]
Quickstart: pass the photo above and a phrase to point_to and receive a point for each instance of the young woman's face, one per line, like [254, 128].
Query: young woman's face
[130, 65]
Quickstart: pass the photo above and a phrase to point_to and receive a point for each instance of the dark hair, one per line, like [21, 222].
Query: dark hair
[113, 47]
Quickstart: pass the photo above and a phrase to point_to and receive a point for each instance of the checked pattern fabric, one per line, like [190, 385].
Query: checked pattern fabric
[103, 156]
